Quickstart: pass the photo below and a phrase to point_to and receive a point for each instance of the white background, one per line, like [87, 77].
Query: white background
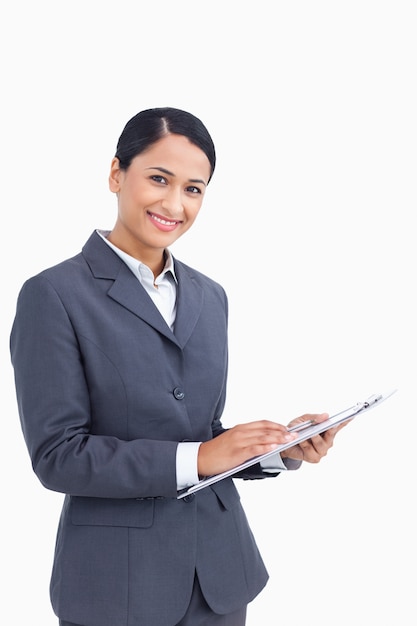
[309, 223]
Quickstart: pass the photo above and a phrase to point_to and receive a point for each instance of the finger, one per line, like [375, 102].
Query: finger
[309, 419]
[263, 425]
[313, 451]
[321, 443]
[254, 441]
[261, 431]
[331, 433]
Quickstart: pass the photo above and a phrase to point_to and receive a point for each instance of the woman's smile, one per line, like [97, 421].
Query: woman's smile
[163, 223]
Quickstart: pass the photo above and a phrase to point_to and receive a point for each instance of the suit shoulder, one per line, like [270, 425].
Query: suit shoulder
[62, 274]
[202, 279]
[68, 269]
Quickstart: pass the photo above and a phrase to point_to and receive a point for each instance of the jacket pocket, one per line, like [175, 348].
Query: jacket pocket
[111, 512]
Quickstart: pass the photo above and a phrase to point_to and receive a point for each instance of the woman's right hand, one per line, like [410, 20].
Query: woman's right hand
[240, 443]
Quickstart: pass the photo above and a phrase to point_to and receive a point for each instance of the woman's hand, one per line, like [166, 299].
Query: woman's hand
[245, 441]
[314, 449]
[240, 443]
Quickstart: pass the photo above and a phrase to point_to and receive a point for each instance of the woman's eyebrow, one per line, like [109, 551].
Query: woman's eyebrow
[165, 171]
[161, 169]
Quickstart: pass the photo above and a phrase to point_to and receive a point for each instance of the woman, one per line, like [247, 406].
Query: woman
[120, 358]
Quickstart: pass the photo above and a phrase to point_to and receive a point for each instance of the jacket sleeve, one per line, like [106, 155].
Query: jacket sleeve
[54, 409]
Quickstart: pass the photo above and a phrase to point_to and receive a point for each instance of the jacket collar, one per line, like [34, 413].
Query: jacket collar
[129, 293]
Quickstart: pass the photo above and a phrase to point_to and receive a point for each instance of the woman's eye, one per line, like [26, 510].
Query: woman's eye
[158, 179]
[194, 189]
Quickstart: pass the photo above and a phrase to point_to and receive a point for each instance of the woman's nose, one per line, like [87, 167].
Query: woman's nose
[172, 201]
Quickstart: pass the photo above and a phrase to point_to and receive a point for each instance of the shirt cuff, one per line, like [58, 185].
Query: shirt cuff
[275, 463]
[292, 464]
[186, 463]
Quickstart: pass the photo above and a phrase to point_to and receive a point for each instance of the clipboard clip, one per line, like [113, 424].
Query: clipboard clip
[369, 402]
[372, 399]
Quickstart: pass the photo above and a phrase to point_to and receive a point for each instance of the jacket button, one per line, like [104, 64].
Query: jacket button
[178, 393]
[189, 498]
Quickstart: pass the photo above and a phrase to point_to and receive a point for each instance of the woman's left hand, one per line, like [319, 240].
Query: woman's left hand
[314, 449]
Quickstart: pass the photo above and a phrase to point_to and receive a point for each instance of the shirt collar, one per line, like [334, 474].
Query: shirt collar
[134, 264]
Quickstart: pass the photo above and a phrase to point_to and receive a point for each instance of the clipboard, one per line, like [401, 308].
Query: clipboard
[306, 430]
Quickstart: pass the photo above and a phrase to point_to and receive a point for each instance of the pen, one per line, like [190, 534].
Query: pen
[301, 426]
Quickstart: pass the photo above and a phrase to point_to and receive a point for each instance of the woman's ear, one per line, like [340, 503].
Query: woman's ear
[114, 177]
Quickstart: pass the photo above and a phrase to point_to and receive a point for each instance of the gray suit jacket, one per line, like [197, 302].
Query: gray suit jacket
[105, 392]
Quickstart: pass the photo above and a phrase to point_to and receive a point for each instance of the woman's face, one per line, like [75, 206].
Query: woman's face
[159, 195]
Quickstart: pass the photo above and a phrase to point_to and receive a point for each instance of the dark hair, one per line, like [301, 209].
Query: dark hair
[147, 127]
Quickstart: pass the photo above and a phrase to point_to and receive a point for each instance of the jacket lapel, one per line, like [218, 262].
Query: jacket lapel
[190, 298]
[129, 293]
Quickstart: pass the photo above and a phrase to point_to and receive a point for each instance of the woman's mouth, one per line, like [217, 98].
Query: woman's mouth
[162, 223]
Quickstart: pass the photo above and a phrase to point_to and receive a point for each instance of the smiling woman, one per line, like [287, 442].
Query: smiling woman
[159, 197]
[121, 389]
